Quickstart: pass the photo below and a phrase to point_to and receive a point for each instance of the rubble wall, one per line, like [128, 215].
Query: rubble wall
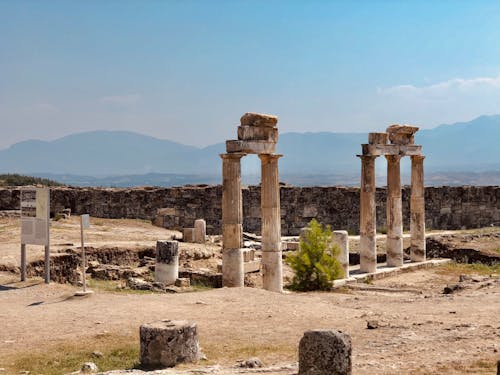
[445, 207]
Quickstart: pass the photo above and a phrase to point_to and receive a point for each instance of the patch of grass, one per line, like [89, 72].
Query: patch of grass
[119, 352]
[454, 268]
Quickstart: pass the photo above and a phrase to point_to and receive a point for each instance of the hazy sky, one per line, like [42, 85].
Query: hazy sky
[187, 70]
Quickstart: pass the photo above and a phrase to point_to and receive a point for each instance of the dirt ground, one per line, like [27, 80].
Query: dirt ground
[421, 330]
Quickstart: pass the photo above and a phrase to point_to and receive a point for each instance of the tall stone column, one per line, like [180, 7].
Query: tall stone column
[417, 209]
[271, 224]
[232, 221]
[394, 246]
[367, 225]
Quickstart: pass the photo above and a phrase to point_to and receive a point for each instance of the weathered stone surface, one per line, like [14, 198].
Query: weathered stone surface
[167, 262]
[167, 343]
[258, 119]
[401, 134]
[325, 352]
[466, 206]
[183, 282]
[341, 239]
[188, 235]
[89, 367]
[250, 147]
[377, 138]
[200, 231]
[254, 133]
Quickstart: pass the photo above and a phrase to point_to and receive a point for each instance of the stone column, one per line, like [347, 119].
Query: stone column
[367, 225]
[232, 221]
[394, 246]
[417, 209]
[341, 238]
[271, 224]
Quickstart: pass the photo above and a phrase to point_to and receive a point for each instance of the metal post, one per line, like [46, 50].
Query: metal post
[23, 262]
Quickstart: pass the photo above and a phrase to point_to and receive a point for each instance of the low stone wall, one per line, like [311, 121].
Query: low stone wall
[445, 207]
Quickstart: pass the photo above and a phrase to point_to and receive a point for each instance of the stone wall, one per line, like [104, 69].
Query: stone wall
[446, 207]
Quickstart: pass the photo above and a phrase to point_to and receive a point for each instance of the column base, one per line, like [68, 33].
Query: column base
[272, 271]
[233, 274]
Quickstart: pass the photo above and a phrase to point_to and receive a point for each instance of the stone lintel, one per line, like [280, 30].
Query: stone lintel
[259, 119]
[392, 149]
[255, 133]
[250, 147]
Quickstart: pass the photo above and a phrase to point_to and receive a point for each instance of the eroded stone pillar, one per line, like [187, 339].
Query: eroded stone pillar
[394, 245]
[271, 224]
[232, 221]
[367, 225]
[417, 209]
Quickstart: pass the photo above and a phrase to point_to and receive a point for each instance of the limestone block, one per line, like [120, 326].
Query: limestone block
[248, 255]
[250, 147]
[188, 235]
[341, 238]
[167, 262]
[258, 119]
[290, 245]
[325, 352]
[166, 343]
[377, 138]
[200, 231]
[251, 266]
[254, 133]
[391, 149]
[402, 134]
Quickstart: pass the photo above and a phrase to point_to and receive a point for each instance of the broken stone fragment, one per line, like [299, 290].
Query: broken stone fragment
[258, 119]
[402, 134]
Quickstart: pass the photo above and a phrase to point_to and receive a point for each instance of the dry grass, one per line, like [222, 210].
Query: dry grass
[457, 269]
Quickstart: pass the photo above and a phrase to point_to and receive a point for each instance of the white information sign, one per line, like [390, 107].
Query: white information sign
[35, 203]
[85, 221]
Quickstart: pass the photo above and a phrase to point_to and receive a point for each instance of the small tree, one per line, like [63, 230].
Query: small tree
[315, 263]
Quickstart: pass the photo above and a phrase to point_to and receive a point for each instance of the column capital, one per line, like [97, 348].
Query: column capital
[393, 158]
[232, 155]
[367, 157]
[417, 157]
[269, 157]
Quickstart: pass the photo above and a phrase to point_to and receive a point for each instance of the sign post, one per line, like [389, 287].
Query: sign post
[84, 224]
[35, 219]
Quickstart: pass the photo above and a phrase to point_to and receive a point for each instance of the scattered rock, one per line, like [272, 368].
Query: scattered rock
[372, 324]
[97, 354]
[182, 282]
[89, 367]
[450, 289]
[253, 362]
[139, 284]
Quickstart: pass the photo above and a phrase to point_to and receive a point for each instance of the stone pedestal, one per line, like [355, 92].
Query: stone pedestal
[188, 235]
[394, 244]
[200, 231]
[325, 352]
[167, 262]
[232, 220]
[341, 239]
[271, 224]
[168, 342]
[417, 210]
[367, 226]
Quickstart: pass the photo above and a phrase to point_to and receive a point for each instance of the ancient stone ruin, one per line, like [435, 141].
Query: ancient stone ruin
[401, 144]
[257, 134]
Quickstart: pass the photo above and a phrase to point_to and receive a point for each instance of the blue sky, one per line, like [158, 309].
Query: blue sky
[187, 70]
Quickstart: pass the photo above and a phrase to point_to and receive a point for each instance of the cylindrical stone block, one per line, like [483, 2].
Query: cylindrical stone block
[367, 226]
[394, 244]
[417, 210]
[168, 342]
[200, 231]
[233, 271]
[167, 262]
[325, 352]
[272, 269]
[341, 239]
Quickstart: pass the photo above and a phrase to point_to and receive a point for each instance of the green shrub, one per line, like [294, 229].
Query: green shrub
[315, 263]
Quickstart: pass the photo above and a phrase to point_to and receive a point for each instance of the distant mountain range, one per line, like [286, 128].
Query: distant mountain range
[462, 153]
